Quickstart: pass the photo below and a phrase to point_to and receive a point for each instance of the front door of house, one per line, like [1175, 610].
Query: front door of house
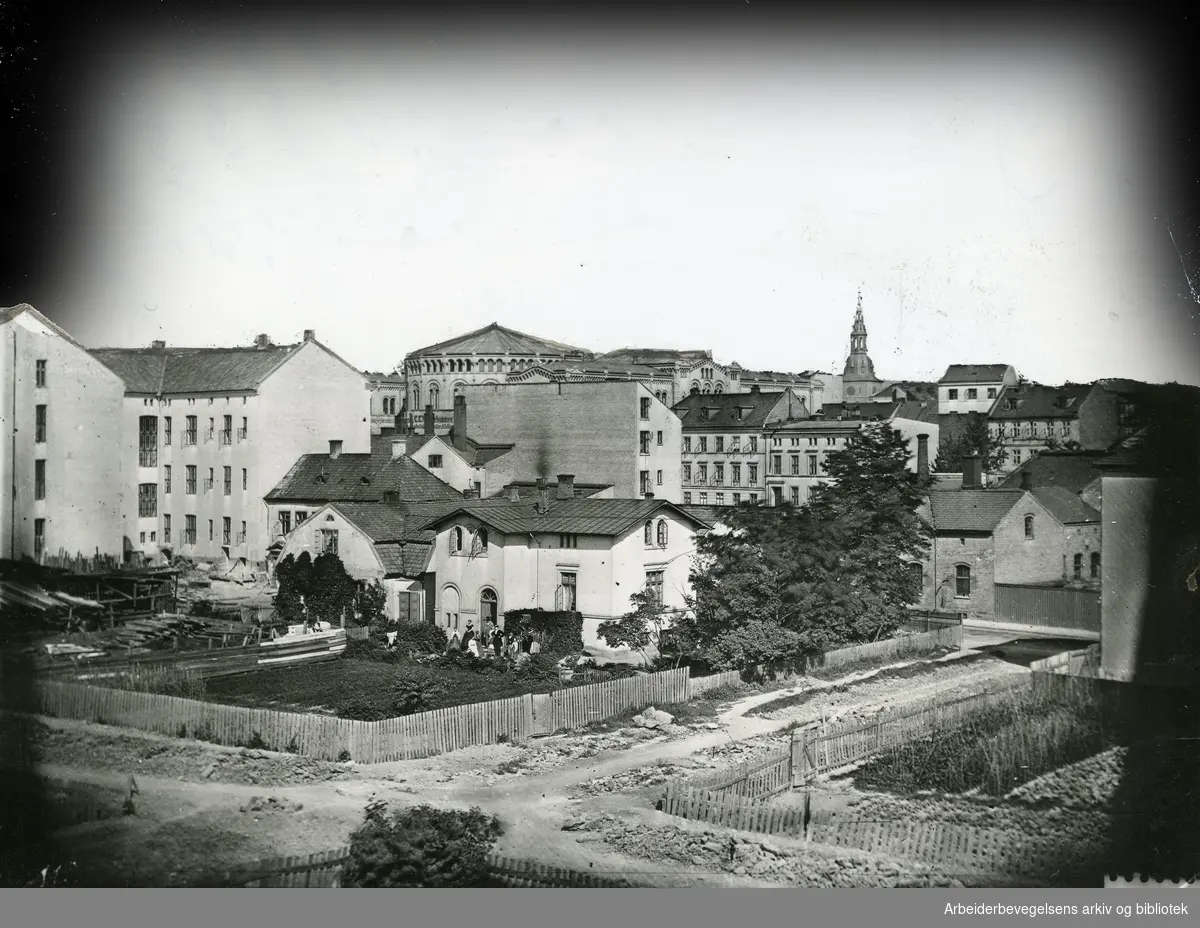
[488, 609]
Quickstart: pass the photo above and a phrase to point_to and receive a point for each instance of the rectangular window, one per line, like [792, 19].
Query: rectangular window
[567, 583]
[244, 431]
[189, 431]
[795, 496]
[645, 442]
[702, 474]
[228, 481]
[189, 480]
[227, 430]
[211, 432]
[737, 499]
[39, 424]
[39, 532]
[1016, 456]
[147, 500]
[329, 541]
[687, 473]
[645, 401]
[435, 460]
[226, 530]
[210, 529]
[735, 443]
[189, 532]
[166, 431]
[991, 394]
[1095, 565]
[210, 482]
[703, 443]
[654, 585]
[718, 474]
[148, 441]
[687, 444]
[962, 580]
[152, 537]
[703, 499]
[660, 441]
[568, 541]
[795, 465]
[720, 443]
[1078, 566]
[754, 497]
[752, 444]
[39, 479]
[972, 393]
[658, 478]
[245, 479]
[301, 515]
[753, 481]
[952, 394]
[720, 499]
[241, 539]
[687, 498]
[285, 522]
[777, 464]
[166, 528]
[735, 474]
[812, 465]
[40, 373]
[645, 482]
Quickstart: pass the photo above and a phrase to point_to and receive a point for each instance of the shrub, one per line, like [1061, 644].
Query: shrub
[417, 691]
[422, 637]
[421, 847]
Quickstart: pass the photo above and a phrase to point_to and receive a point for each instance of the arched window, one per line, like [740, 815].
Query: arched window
[648, 533]
[707, 389]
[450, 607]
[416, 396]
[481, 539]
[662, 533]
[962, 580]
[1029, 526]
[694, 388]
[719, 388]
[1095, 565]
[916, 576]
[433, 395]
[456, 540]
[488, 608]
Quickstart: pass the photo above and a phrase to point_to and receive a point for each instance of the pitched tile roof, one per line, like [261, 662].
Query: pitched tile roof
[407, 560]
[395, 523]
[709, 515]
[606, 517]
[904, 409]
[527, 488]
[656, 357]
[723, 408]
[1071, 470]
[1034, 401]
[970, 510]
[473, 452]
[912, 389]
[193, 370]
[974, 373]
[496, 339]
[1065, 506]
[360, 477]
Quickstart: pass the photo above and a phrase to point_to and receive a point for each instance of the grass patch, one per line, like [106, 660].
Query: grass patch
[164, 679]
[844, 670]
[907, 672]
[995, 749]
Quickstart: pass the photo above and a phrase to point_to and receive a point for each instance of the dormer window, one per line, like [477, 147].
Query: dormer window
[320, 478]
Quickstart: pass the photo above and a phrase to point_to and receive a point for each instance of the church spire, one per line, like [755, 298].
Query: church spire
[859, 377]
[858, 334]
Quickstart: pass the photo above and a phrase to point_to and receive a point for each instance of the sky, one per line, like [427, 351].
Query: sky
[993, 204]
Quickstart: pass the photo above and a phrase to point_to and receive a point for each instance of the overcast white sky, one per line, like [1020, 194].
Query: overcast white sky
[991, 206]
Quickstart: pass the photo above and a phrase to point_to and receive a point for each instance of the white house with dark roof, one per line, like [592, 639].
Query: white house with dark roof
[546, 552]
[456, 458]
[63, 475]
[209, 431]
[973, 387]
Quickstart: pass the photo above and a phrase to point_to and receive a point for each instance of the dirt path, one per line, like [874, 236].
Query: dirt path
[201, 806]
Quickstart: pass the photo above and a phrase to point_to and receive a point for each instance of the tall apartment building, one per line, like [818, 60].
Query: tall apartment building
[60, 453]
[973, 387]
[1031, 418]
[724, 443]
[216, 428]
[615, 433]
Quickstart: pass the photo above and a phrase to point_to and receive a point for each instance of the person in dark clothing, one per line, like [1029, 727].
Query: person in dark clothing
[468, 636]
[526, 642]
[498, 642]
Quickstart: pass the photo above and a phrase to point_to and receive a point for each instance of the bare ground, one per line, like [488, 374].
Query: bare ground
[201, 807]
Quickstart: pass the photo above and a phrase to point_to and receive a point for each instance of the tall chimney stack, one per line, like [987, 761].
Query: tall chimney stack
[398, 446]
[543, 497]
[514, 495]
[310, 335]
[263, 341]
[923, 456]
[428, 419]
[158, 343]
[566, 486]
[469, 493]
[972, 472]
[460, 421]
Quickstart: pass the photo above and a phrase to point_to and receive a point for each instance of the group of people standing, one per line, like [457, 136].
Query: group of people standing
[494, 642]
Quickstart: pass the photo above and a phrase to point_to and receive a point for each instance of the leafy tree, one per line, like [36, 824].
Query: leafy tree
[421, 847]
[332, 592]
[294, 576]
[972, 438]
[785, 582]
[640, 628]
[372, 608]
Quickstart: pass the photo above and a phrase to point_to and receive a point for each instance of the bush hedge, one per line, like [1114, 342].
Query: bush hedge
[558, 633]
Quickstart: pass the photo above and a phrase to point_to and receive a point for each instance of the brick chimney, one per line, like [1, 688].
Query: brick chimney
[649, 494]
[469, 493]
[972, 472]
[460, 421]
[755, 389]
[262, 341]
[922, 456]
[310, 335]
[428, 419]
[398, 446]
[1026, 480]
[157, 343]
[543, 496]
[335, 449]
[514, 495]
[566, 486]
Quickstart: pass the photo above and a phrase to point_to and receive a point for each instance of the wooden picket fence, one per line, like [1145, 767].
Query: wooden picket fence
[324, 870]
[730, 810]
[327, 738]
[758, 780]
[818, 748]
[949, 636]
[701, 685]
[956, 847]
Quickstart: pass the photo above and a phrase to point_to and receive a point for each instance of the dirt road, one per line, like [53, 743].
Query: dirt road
[201, 807]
